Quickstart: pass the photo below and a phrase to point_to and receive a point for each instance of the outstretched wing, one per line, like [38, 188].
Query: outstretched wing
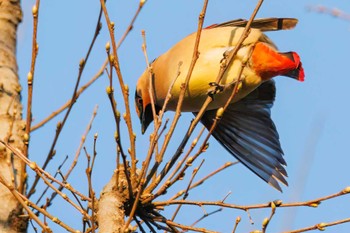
[265, 24]
[247, 131]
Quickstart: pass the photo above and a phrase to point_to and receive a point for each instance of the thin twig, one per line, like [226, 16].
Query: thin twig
[66, 105]
[30, 81]
[205, 216]
[65, 177]
[238, 220]
[172, 178]
[189, 228]
[124, 88]
[266, 221]
[156, 136]
[194, 173]
[311, 203]
[131, 24]
[57, 172]
[320, 226]
[72, 101]
[90, 187]
[116, 114]
[41, 172]
[82, 141]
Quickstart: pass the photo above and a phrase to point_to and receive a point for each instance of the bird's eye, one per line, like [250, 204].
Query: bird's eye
[139, 101]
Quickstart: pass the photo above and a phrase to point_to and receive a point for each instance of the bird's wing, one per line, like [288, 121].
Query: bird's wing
[265, 24]
[247, 131]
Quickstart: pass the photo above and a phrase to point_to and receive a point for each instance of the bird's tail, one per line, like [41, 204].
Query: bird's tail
[268, 62]
[298, 72]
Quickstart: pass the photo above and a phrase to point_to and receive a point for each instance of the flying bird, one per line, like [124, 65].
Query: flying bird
[246, 129]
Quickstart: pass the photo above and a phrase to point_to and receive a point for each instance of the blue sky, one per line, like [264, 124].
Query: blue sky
[311, 117]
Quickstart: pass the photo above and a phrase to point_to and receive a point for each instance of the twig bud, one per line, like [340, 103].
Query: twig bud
[189, 161]
[180, 193]
[82, 63]
[314, 204]
[194, 143]
[33, 165]
[321, 226]
[346, 190]
[108, 46]
[273, 206]
[36, 48]
[219, 112]
[30, 78]
[205, 147]
[238, 219]
[265, 222]
[95, 136]
[35, 11]
[277, 202]
[58, 125]
[142, 2]
[167, 183]
[64, 196]
[55, 220]
[109, 90]
[26, 138]
[112, 25]
[111, 58]
[116, 135]
[182, 175]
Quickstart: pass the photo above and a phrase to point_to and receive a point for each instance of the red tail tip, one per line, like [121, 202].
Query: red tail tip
[299, 67]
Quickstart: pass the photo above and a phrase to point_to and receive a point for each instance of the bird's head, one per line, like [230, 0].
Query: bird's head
[143, 101]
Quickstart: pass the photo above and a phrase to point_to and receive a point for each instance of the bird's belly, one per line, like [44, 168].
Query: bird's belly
[195, 97]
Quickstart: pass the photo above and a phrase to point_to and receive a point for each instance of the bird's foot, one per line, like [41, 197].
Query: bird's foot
[214, 89]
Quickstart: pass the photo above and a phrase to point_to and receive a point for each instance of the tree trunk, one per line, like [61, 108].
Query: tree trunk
[11, 124]
[110, 215]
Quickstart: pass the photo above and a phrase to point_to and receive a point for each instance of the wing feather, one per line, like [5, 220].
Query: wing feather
[247, 131]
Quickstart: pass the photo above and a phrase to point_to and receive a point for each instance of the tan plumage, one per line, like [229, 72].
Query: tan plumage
[264, 62]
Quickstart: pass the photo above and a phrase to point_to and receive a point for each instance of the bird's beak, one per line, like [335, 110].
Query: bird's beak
[146, 117]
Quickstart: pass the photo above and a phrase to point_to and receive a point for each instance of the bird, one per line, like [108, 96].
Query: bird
[246, 129]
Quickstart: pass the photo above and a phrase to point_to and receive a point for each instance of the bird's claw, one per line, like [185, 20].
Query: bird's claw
[215, 88]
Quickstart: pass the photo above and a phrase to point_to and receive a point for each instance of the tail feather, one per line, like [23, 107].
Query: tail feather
[298, 72]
